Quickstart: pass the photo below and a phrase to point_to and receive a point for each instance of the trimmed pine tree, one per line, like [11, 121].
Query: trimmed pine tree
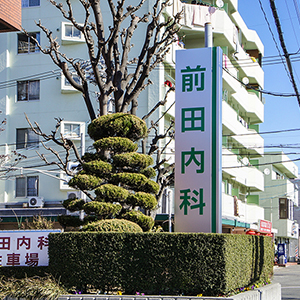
[117, 176]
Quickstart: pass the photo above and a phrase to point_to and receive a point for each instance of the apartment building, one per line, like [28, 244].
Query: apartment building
[33, 85]
[242, 105]
[280, 198]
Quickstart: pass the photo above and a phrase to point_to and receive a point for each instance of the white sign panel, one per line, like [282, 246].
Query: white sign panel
[24, 247]
[198, 127]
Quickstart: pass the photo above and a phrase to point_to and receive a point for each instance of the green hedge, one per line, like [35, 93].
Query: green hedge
[160, 263]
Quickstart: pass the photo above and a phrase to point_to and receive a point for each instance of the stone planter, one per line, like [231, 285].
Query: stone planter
[268, 292]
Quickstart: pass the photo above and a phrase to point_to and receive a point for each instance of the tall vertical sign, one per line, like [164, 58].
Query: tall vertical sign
[198, 127]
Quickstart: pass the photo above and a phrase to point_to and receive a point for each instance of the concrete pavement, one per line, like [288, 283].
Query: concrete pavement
[289, 278]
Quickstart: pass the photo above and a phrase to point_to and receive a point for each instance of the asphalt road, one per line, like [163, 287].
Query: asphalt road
[289, 278]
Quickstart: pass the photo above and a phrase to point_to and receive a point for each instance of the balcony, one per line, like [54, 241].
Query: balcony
[286, 228]
[246, 138]
[284, 165]
[246, 175]
[250, 37]
[283, 188]
[249, 67]
[233, 208]
[251, 106]
[171, 55]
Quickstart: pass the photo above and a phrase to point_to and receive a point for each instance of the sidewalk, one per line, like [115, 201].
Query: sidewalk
[288, 278]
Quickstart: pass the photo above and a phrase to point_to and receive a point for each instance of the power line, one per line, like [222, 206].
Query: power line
[262, 164]
[264, 132]
[260, 90]
[283, 46]
[272, 34]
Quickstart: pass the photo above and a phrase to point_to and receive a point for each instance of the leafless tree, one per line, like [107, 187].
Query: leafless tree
[109, 52]
[8, 161]
[107, 68]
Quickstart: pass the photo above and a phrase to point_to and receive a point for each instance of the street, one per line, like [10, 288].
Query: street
[288, 277]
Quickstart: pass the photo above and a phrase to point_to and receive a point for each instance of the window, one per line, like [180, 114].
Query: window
[27, 139]
[66, 86]
[283, 208]
[72, 130]
[27, 186]
[30, 3]
[28, 90]
[72, 31]
[76, 79]
[26, 44]
[70, 34]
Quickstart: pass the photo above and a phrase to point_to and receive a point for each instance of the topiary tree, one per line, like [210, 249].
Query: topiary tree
[116, 179]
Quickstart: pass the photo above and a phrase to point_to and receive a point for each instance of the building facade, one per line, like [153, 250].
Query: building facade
[242, 105]
[280, 199]
[33, 85]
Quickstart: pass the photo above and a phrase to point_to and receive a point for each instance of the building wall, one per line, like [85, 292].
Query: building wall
[53, 101]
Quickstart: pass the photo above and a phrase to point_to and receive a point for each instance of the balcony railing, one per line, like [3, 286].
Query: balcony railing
[234, 208]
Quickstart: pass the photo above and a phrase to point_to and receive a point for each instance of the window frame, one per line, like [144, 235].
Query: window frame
[27, 6]
[284, 208]
[28, 82]
[28, 145]
[72, 136]
[70, 39]
[66, 86]
[25, 186]
[30, 43]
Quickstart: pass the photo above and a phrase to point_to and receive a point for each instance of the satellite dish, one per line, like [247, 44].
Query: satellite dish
[245, 161]
[266, 171]
[245, 80]
[220, 3]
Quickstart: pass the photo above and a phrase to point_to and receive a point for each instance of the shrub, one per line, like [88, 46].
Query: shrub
[113, 172]
[85, 182]
[73, 204]
[98, 168]
[149, 172]
[112, 193]
[137, 182]
[170, 264]
[132, 160]
[145, 222]
[116, 144]
[69, 221]
[102, 208]
[38, 222]
[142, 199]
[31, 288]
[112, 225]
[118, 124]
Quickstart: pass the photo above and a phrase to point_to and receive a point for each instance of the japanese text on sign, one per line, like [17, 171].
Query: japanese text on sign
[24, 248]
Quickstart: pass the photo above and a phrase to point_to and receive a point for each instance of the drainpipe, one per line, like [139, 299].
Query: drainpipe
[208, 35]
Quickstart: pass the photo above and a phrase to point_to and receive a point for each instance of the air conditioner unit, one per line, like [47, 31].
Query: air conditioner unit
[35, 201]
[74, 195]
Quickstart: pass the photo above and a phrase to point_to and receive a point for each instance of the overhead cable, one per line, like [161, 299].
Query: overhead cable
[283, 46]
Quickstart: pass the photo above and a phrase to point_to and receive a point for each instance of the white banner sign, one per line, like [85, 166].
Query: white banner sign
[198, 128]
[24, 247]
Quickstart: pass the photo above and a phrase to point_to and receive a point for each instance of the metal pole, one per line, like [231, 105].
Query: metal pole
[208, 35]
[170, 211]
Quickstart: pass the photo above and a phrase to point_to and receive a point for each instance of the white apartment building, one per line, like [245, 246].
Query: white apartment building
[32, 84]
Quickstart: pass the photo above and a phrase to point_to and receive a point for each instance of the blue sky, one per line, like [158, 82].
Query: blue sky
[280, 113]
